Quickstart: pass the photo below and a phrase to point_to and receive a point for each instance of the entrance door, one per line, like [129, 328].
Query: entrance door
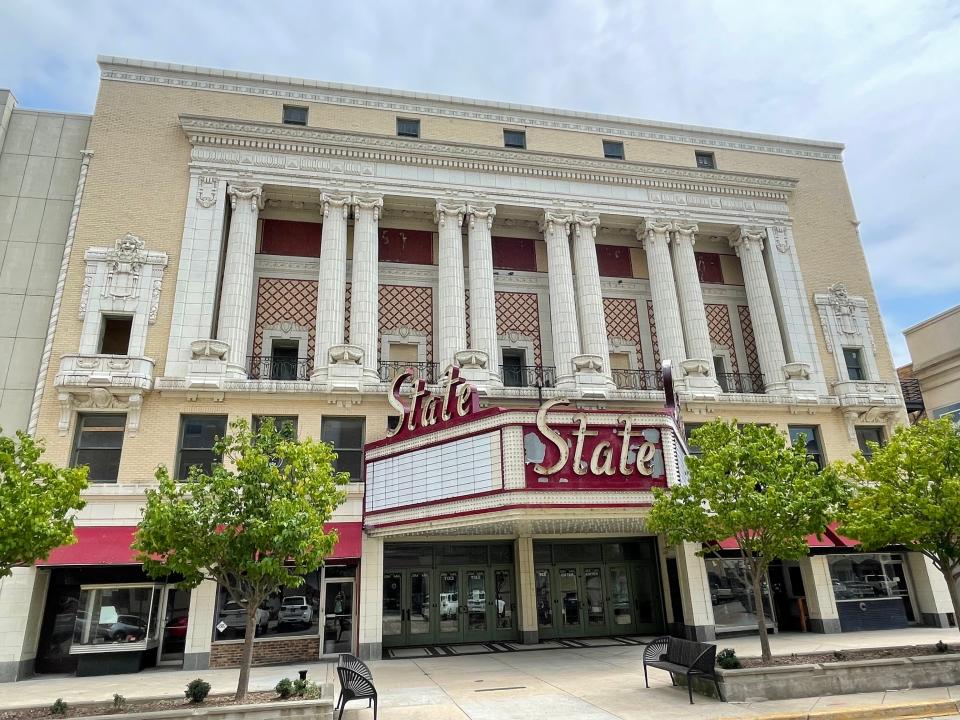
[394, 612]
[622, 605]
[648, 604]
[546, 615]
[408, 608]
[477, 605]
[338, 620]
[569, 601]
[451, 608]
[504, 604]
[174, 635]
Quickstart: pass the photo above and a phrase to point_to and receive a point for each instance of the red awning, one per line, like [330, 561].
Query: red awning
[110, 545]
[830, 539]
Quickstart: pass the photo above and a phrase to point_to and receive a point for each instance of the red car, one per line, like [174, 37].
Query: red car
[177, 628]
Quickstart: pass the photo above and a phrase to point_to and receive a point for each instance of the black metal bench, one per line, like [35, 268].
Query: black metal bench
[356, 683]
[682, 657]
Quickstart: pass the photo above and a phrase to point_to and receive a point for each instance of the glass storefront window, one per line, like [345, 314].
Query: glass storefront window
[732, 594]
[291, 612]
[867, 576]
[117, 616]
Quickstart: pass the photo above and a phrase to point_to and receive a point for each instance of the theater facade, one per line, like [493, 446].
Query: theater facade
[475, 303]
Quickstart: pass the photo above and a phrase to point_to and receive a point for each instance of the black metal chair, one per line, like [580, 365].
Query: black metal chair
[685, 657]
[356, 683]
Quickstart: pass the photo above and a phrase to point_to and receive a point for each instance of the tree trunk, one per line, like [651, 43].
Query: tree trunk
[247, 659]
[953, 584]
[761, 617]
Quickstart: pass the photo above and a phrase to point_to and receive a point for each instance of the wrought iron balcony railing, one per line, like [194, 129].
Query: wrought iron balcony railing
[528, 376]
[637, 379]
[912, 396]
[741, 383]
[389, 369]
[269, 367]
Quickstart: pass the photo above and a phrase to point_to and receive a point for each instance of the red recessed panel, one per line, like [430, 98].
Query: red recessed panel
[290, 237]
[614, 261]
[515, 254]
[708, 267]
[414, 247]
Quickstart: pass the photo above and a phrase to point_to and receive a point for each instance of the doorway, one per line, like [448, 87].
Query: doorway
[175, 620]
[338, 615]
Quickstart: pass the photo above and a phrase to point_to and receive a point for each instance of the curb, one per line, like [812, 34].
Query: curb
[870, 712]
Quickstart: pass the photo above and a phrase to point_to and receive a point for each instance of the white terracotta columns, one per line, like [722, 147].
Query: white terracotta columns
[236, 293]
[452, 324]
[593, 366]
[563, 317]
[331, 302]
[483, 308]
[655, 236]
[748, 243]
[365, 287]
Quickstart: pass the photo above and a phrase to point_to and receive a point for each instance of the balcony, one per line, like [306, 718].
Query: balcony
[278, 367]
[389, 369]
[741, 383]
[637, 379]
[912, 396]
[528, 376]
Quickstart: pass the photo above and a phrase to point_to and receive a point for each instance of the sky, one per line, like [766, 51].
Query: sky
[881, 77]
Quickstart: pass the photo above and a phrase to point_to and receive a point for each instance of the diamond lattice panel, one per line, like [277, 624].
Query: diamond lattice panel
[749, 343]
[721, 331]
[346, 313]
[406, 306]
[279, 300]
[653, 335]
[622, 321]
[520, 312]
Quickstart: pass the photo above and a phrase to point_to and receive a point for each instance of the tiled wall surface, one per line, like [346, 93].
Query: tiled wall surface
[39, 167]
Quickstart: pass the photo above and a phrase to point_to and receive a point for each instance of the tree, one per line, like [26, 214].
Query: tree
[37, 502]
[749, 485]
[908, 493]
[253, 524]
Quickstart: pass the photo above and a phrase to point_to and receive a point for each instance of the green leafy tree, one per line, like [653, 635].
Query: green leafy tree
[253, 524]
[37, 502]
[750, 485]
[908, 493]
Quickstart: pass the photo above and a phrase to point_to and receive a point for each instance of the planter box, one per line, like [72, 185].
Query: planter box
[835, 678]
[321, 709]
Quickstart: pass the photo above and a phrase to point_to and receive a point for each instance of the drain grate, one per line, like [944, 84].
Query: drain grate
[514, 687]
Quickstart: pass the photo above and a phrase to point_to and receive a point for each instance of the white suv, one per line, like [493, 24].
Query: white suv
[295, 610]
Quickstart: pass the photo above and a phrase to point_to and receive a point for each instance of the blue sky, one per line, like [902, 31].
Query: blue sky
[882, 77]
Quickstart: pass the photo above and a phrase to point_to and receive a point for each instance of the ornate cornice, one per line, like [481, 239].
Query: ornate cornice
[393, 101]
[276, 146]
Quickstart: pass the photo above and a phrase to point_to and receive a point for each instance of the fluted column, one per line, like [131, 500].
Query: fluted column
[483, 306]
[332, 279]
[452, 332]
[655, 236]
[365, 284]
[693, 313]
[236, 293]
[563, 317]
[593, 324]
[748, 243]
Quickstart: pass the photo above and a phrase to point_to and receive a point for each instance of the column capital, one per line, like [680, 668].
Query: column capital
[654, 229]
[747, 236]
[482, 212]
[247, 191]
[686, 230]
[449, 209]
[555, 217]
[332, 201]
[585, 223]
[368, 201]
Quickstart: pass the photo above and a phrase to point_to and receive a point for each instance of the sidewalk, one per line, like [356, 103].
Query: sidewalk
[587, 684]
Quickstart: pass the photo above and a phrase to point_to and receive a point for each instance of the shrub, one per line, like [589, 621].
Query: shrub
[119, 701]
[284, 688]
[311, 691]
[59, 707]
[728, 660]
[942, 647]
[839, 655]
[197, 690]
[300, 686]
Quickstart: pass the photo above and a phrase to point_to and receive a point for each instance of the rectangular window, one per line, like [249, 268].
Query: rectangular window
[294, 115]
[514, 360]
[125, 615]
[688, 429]
[346, 436]
[407, 127]
[288, 612]
[706, 160]
[198, 433]
[613, 150]
[515, 139]
[720, 368]
[98, 444]
[290, 237]
[853, 358]
[812, 439]
[731, 594]
[709, 268]
[285, 360]
[614, 261]
[867, 435]
[514, 253]
[115, 334]
[412, 247]
[404, 353]
[286, 424]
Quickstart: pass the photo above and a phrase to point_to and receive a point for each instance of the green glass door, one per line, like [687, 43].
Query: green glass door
[594, 600]
[418, 625]
[477, 620]
[394, 611]
[450, 609]
[621, 604]
[570, 599]
[504, 604]
[546, 604]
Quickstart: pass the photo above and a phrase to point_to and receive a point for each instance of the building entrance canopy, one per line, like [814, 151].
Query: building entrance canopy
[450, 467]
